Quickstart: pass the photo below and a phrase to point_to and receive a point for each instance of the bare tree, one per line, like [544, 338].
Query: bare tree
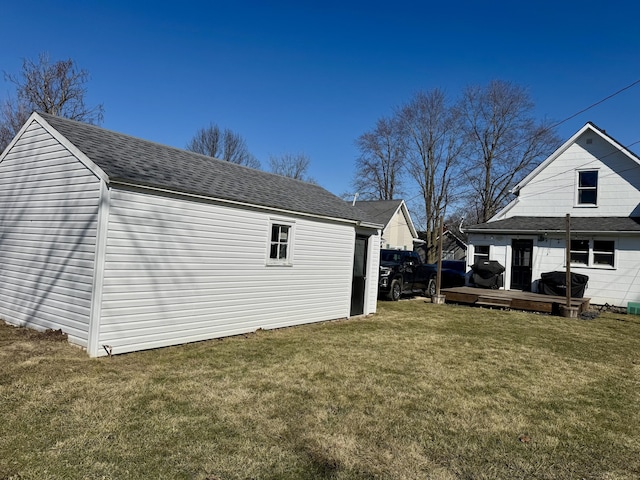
[223, 145]
[58, 88]
[505, 142]
[379, 173]
[434, 144]
[292, 165]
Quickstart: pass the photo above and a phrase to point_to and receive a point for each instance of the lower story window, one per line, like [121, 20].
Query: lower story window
[580, 252]
[480, 253]
[604, 252]
[596, 253]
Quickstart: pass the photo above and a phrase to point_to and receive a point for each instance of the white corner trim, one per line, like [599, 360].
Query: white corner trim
[98, 271]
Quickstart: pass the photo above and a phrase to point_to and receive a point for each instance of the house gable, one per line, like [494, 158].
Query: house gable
[398, 231]
[552, 188]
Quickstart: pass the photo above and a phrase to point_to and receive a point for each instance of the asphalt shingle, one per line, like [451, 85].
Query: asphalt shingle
[557, 224]
[132, 160]
[379, 211]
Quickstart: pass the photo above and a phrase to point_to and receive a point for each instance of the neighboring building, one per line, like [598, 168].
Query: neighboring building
[453, 246]
[398, 232]
[597, 181]
[126, 244]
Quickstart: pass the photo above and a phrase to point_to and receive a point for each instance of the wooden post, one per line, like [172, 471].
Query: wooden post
[567, 310]
[439, 273]
[437, 298]
[568, 259]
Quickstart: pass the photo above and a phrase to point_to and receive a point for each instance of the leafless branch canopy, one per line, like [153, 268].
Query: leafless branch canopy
[379, 168]
[222, 144]
[58, 88]
[504, 142]
[292, 165]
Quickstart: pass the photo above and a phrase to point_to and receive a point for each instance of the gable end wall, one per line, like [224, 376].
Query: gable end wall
[48, 220]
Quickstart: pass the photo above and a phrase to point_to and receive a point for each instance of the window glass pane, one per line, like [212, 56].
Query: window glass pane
[279, 248]
[587, 197]
[603, 246]
[588, 179]
[603, 259]
[604, 252]
[580, 245]
[588, 188]
[580, 251]
[581, 258]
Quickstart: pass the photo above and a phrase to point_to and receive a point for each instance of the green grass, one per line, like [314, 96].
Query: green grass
[416, 391]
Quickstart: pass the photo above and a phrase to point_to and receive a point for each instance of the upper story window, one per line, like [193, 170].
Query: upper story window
[588, 187]
[280, 243]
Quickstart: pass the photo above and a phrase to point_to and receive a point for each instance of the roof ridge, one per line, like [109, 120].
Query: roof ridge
[133, 160]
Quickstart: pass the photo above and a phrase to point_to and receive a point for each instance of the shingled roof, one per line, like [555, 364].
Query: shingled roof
[557, 224]
[126, 159]
[379, 211]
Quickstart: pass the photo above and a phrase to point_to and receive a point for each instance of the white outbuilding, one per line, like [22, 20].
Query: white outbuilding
[126, 244]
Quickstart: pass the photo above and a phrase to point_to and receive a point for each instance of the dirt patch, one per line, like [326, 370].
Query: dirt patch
[49, 334]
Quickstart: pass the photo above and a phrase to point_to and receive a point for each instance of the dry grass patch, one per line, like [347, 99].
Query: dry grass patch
[417, 391]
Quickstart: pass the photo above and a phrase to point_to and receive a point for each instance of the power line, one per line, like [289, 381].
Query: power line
[555, 125]
[596, 104]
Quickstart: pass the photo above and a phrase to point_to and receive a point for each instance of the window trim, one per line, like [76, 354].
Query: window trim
[591, 253]
[580, 189]
[280, 262]
[476, 254]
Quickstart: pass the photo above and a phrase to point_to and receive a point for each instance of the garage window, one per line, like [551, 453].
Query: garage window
[280, 243]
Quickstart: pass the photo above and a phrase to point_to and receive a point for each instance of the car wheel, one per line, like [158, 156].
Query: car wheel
[431, 287]
[395, 291]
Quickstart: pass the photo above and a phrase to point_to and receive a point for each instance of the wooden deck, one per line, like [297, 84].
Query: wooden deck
[515, 299]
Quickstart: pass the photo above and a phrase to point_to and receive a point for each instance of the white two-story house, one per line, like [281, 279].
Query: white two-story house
[595, 180]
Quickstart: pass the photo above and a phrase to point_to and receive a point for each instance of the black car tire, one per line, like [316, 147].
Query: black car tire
[395, 291]
[431, 287]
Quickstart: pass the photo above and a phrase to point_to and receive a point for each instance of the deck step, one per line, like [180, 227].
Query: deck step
[493, 301]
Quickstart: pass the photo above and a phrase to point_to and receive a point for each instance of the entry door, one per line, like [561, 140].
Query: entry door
[359, 276]
[521, 254]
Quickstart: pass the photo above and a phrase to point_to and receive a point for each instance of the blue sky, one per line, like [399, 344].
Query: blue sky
[312, 76]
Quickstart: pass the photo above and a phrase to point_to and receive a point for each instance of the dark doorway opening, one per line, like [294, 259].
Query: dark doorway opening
[521, 258]
[359, 276]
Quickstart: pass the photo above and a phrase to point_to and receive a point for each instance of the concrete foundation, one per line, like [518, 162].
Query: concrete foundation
[568, 312]
[438, 299]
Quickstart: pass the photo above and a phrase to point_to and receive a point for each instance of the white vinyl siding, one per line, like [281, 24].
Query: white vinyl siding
[607, 285]
[397, 233]
[48, 220]
[553, 192]
[178, 270]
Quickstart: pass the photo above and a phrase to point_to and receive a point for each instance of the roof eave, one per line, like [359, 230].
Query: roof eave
[130, 184]
[546, 230]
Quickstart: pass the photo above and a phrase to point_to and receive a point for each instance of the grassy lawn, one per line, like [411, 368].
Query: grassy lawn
[416, 391]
